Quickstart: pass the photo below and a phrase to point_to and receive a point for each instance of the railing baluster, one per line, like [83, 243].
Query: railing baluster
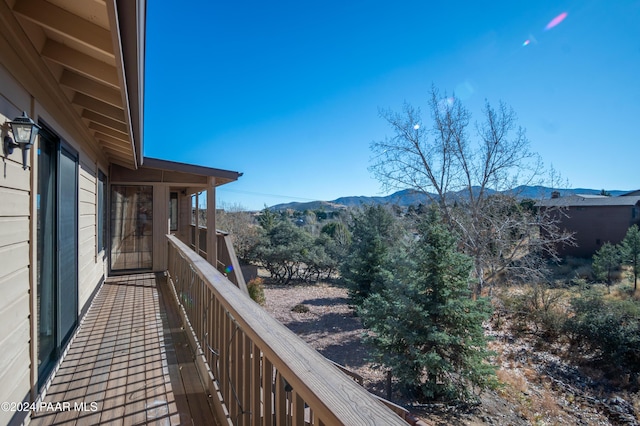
[265, 374]
[267, 392]
[224, 359]
[256, 386]
[281, 400]
[233, 372]
[297, 408]
[199, 308]
[248, 378]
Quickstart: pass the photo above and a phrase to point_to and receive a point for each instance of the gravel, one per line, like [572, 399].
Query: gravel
[538, 387]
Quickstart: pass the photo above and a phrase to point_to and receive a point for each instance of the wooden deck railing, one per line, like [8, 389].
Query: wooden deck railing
[261, 373]
[227, 261]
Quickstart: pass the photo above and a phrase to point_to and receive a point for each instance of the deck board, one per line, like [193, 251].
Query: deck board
[130, 363]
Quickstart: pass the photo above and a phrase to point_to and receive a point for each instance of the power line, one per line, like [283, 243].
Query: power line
[285, 197]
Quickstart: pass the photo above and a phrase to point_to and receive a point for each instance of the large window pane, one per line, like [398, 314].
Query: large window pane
[131, 227]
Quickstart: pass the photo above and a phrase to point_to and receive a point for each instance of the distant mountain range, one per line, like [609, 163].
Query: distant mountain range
[408, 197]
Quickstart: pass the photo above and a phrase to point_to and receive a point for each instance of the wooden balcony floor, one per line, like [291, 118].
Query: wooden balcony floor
[130, 362]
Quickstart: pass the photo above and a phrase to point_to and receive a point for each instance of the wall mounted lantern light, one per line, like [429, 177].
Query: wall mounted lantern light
[24, 132]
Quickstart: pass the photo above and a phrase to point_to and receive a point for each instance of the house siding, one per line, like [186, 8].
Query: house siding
[596, 225]
[91, 266]
[18, 359]
[15, 186]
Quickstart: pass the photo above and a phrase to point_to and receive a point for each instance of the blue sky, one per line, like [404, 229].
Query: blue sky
[289, 92]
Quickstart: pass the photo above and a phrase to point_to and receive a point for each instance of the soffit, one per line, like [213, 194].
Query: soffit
[81, 44]
[163, 171]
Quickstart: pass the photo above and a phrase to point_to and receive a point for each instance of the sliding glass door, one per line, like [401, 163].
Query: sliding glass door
[57, 239]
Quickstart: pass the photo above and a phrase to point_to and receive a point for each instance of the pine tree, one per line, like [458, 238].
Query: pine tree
[424, 324]
[605, 261]
[631, 252]
[374, 232]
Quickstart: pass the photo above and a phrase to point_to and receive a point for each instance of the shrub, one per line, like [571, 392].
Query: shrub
[541, 307]
[609, 329]
[256, 290]
[300, 309]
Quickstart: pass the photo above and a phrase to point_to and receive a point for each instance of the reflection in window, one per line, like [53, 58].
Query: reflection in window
[173, 211]
[131, 227]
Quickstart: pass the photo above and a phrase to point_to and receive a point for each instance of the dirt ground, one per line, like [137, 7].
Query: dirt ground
[538, 387]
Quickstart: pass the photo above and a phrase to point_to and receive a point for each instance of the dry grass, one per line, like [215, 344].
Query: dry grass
[635, 400]
[546, 405]
[512, 380]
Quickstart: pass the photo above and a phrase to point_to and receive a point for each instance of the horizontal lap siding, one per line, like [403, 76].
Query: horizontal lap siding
[14, 279]
[91, 268]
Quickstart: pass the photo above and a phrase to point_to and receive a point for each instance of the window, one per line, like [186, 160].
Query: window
[131, 227]
[173, 211]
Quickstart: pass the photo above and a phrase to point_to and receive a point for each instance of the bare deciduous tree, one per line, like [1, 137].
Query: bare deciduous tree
[241, 226]
[473, 173]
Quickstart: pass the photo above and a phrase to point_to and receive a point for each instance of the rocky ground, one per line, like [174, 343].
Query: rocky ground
[538, 387]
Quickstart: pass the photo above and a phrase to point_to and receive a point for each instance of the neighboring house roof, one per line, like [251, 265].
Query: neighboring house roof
[590, 201]
[631, 193]
[87, 58]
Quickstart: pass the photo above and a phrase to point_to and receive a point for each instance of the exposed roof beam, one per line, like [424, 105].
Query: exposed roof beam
[81, 63]
[116, 149]
[119, 149]
[109, 131]
[116, 159]
[101, 119]
[119, 154]
[114, 141]
[98, 106]
[126, 164]
[91, 88]
[66, 24]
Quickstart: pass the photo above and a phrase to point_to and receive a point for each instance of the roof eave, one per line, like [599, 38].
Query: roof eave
[223, 176]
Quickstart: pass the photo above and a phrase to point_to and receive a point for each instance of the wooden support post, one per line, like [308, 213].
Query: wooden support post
[212, 241]
[196, 238]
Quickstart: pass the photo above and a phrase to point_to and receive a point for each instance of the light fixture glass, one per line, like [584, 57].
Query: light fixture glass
[24, 132]
[24, 129]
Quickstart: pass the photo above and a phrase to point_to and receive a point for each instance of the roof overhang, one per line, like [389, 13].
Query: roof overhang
[86, 60]
[155, 170]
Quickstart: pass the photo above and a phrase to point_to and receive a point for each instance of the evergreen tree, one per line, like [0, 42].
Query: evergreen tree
[283, 250]
[374, 232]
[631, 252]
[605, 261]
[424, 324]
[268, 219]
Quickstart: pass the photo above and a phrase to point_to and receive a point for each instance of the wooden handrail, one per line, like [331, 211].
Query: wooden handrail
[261, 372]
[227, 258]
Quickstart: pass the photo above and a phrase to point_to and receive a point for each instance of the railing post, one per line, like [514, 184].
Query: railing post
[212, 246]
[196, 241]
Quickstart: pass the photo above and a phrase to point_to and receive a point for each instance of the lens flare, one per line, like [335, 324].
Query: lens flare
[556, 21]
[526, 42]
[416, 126]
[228, 269]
